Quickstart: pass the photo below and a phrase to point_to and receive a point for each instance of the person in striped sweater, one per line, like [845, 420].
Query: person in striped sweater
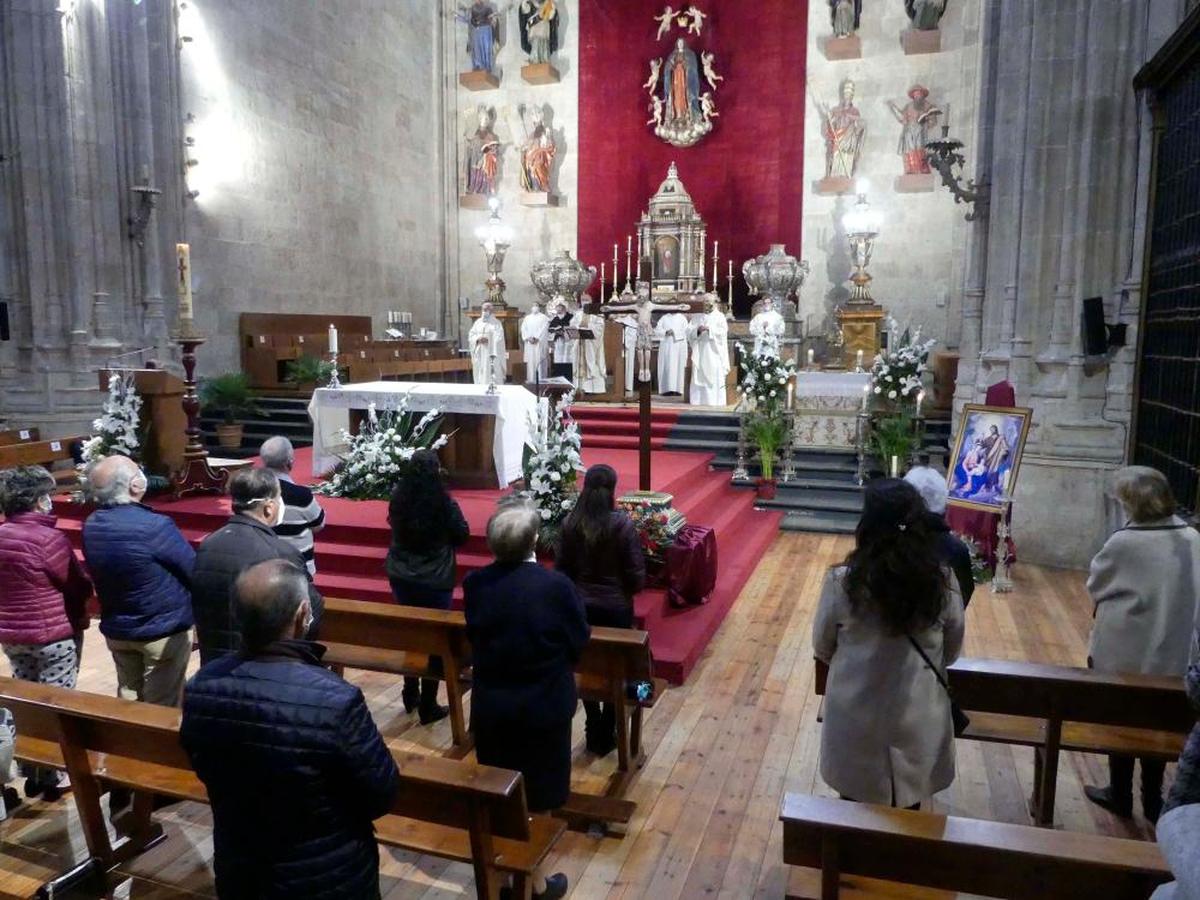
[302, 514]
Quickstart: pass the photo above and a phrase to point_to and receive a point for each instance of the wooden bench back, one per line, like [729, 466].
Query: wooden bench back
[616, 654]
[35, 453]
[444, 792]
[955, 854]
[19, 436]
[404, 629]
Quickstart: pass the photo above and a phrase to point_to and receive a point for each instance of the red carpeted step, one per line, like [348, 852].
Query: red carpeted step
[621, 442]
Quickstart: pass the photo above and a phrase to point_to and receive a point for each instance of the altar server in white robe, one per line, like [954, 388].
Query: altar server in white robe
[708, 336]
[671, 331]
[629, 338]
[488, 352]
[562, 348]
[535, 328]
[767, 329]
[591, 369]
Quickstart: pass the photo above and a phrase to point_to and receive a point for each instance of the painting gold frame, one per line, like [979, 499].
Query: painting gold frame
[969, 410]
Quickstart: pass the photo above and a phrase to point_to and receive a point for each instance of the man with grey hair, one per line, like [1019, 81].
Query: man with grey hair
[302, 514]
[931, 485]
[142, 568]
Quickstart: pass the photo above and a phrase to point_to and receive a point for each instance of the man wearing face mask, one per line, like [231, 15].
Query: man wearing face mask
[246, 539]
[295, 768]
[142, 568]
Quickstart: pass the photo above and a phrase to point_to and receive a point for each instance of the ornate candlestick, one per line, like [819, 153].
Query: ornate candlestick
[628, 263]
[740, 470]
[1001, 581]
[335, 380]
[491, 388]
[862, 426]
[196, 476]
[788, 474]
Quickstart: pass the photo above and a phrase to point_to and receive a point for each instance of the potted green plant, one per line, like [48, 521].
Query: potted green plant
[894, 439]
[307, 372]
[768, 431]
[229, 396]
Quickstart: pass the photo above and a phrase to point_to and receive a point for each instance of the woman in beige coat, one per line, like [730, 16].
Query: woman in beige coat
[1145, 582]
[888, 735]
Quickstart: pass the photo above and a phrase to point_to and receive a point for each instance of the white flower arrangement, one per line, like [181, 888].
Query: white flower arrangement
[116, 430]
[553, 462]
[379, 453]
[765, 379]
[897, 373]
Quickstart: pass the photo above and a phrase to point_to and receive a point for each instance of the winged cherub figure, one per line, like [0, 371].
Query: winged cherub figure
[652, 82]
[697, 20]
[656, 111]
[710, 75]
[664, 21]
[708, 108]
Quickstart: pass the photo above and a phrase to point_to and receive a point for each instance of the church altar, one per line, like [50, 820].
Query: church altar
[826, 407]
[473, 418]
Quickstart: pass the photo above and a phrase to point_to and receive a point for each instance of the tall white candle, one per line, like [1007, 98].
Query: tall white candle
[333, 340]
[866, 395]
[791, 392]
[858, 360]
[730, 310]
[920, 400]
[601, 282]
[183, 253]
[810, 357]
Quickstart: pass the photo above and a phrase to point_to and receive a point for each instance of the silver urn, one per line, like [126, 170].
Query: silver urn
[561, 275]
[776, 275]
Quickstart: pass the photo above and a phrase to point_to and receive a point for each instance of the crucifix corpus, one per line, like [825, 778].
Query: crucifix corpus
[645, 308]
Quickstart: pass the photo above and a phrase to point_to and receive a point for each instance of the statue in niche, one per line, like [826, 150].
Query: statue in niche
[844, 131]
[482, 154]
[846, 16]
[915, 118]
[537, 151]
[925, 15]
[539, 29]
[482, 20]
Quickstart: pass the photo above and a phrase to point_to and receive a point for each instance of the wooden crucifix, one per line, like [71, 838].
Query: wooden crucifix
[645, 308]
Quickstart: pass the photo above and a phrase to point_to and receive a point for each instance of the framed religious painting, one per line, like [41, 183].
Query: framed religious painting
[987, 456]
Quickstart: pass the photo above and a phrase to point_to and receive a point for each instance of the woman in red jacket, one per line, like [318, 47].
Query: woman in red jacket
[43, 592]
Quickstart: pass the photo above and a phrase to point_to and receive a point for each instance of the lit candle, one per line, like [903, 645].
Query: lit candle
[183, 252]
[810, 357]
[628, 243]
[866, 396]
[333, 343]
[858, 357]
[730, 310]
[790, 394]
[920, 400]
[601, 282]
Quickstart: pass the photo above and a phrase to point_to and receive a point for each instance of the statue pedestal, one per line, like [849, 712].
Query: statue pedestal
[915, 42]
[833, 185]
[914, 184]
[473, 201]
[849, 47]
[478, 81]
[538, 198]
[540, 73]
[861, 326]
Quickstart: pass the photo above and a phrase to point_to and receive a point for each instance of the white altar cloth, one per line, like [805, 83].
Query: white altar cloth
[513, 406]
[826, 407]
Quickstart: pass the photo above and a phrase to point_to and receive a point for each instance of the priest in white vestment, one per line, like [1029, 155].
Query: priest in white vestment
[591, 369]
[488, 353]
[767, 329]
[562, 348]
[629, 338]
[535, 329]
[671, 331]
[708, 336]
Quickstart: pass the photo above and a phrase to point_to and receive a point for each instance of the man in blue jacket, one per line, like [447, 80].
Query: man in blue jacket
[295, 768]
[142, 568]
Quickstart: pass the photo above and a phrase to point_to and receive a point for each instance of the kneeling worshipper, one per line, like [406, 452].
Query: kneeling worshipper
[535, 329]
[672, 330]
[489, 355]
[591, 367]
[562, 364]
[708, 335]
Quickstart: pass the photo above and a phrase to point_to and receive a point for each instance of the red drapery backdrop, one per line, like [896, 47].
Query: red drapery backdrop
[745, 176]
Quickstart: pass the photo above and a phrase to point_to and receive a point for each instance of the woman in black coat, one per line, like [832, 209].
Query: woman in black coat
[600, 551]
[527, 629]
[427, 526]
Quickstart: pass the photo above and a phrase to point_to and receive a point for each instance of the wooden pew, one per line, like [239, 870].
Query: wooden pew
[864, 851]
[43, 453]
[19, 436]
[399, 640]
[454, 810]
[1057, 708]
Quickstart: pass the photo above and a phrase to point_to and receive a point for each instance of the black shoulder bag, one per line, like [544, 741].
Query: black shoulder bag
[961, 720]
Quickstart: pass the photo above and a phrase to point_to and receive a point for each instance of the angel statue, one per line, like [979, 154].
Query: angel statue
[916, 118]
[925, 14]
[697, 22]
[664, 22]
[652, 81]
[539, 29]
[710, 74]
[482, 154]
[482, 20]
[656, 111]
[537, 152]
[846, 16]
[708, 109]
[843, 129]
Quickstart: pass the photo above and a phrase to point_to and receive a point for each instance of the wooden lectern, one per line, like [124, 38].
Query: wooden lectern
[163, 421]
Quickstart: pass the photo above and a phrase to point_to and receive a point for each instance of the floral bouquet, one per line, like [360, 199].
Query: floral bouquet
[651, 525]
[552, 465]
[116, 431]
[896, 373]
[381, 451]
[764, 380]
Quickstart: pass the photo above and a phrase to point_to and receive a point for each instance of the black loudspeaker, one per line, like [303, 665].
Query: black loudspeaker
[1095, 334]
[4, 333]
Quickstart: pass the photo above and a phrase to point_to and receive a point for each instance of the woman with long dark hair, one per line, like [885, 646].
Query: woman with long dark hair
[427, 526]
[599, 550]
[888, 623]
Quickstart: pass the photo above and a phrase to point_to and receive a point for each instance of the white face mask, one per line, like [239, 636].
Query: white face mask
[279, 512]
[45, 504]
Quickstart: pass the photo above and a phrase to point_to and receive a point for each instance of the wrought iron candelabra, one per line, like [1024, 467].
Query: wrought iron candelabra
[1002, 581]
[945, 155]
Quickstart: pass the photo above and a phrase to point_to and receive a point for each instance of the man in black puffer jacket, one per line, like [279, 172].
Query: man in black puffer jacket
[247, 538]
[295, 768]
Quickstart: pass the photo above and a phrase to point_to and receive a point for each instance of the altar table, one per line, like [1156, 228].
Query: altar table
[826, 407]
[477, 418]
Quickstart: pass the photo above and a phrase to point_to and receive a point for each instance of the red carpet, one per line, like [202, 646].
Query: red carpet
[616, 427]
[353, 544]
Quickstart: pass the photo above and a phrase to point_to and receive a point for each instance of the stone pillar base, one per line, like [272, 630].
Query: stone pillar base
[833, 185]
[915, 42]
[540, 73]
[849, 47]
[914, 184]
[478, 81]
